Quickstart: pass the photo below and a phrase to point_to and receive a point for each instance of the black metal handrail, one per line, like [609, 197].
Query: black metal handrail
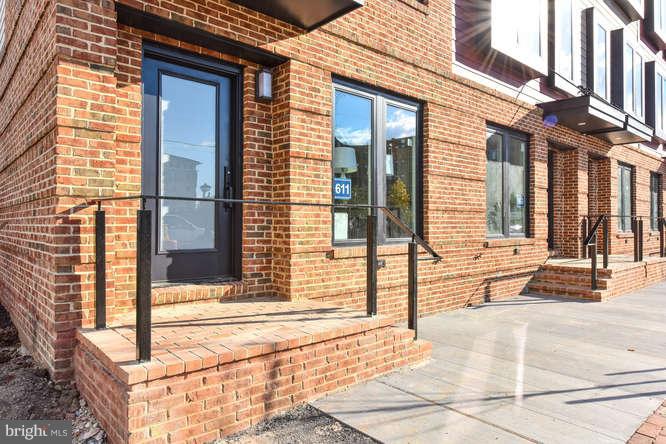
[590, 240]
[143, 261]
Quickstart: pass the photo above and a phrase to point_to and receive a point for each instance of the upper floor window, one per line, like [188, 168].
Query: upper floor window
[376, 150]
[523, 38]
[660, 16]
[598, 43]
[506, 183]
[564, 38]
[660, 103]
[633, 81]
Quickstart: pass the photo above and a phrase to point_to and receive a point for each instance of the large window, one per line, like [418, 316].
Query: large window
[633, 81]
[523, 39]
[375, 154]
[506, 183]
[601, 58]
[564, 39]
[655, 201]
[625, 199]
[660, 103]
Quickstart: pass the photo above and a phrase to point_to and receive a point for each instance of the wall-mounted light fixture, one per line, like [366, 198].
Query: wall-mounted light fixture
[264, 84]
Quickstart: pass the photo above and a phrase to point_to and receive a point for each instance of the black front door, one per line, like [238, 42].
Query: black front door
[189, 146]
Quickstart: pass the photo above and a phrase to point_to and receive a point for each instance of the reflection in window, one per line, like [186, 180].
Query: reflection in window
[494, 184]
[506, 183]
[633, 81]
[352, 160]
[660, 106]
[624, 197]
[655, 201]
[400, 167]
[565, 38]
[601, 62]
[519, 37]
[188, 124]
[374, 151]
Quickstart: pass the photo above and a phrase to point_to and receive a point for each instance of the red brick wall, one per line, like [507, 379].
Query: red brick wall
[95, 151]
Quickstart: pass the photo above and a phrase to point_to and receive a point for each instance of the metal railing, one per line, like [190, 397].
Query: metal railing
[590, 241]
[144, 257]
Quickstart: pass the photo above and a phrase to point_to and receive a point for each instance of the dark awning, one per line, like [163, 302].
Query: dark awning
[307, 14]
[594, 116]
[633, 8]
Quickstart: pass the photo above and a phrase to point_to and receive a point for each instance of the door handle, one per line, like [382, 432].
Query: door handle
[228, 188]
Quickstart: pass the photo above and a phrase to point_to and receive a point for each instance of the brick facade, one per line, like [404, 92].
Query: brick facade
[71, 110]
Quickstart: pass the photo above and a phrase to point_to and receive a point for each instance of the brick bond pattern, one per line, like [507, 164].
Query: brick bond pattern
[653, 430]
[215, 371]
[70, 130]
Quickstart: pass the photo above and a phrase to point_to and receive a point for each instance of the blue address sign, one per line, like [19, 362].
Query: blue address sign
[342, 188]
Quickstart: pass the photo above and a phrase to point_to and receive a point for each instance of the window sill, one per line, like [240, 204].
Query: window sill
[509, 242]
[624, 235]
[419, 5]
[354, 251]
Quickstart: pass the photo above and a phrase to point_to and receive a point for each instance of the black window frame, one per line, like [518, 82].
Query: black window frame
[381, 97]
[622, 219]
[655, 213]
[506, 216]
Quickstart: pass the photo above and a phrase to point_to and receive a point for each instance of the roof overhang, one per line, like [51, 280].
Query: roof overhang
[307, 14]
[594, 116]
[633, 8]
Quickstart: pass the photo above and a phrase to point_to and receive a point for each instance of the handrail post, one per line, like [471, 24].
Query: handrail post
[371, 263]
[143, 284]
[640, 239]
[634, 227]
[100, 269]
[585, 227]
[412, 305]
[662, 244]
[606, 241]
[593, 257]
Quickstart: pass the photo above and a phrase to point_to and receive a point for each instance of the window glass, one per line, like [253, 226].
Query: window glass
[518, 36]
[633, 81]
[564, 20]
[374, 162]
[400, 167]
[655, 192]
[352, 154]
[600, 62]
[516, 179]
[188, 146]
[506, 184]
[659, 107]
[628, 78]
[638, 84]
[494, 184]
[624, 197]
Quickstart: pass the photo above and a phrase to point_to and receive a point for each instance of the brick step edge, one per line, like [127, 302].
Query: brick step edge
[214, 402]
[575, 291]
[576, 280]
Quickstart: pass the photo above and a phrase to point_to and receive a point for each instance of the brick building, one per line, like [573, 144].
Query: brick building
[494, 139]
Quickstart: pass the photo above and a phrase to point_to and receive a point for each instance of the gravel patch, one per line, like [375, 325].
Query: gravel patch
[301, 425]
[27, 392]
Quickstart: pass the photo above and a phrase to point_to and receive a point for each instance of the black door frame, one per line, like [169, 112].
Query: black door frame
[234, 73]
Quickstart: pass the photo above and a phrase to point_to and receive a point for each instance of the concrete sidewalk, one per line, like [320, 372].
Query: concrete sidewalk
[528, 369]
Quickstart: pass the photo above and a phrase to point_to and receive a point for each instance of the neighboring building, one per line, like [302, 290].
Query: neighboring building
[490, 127]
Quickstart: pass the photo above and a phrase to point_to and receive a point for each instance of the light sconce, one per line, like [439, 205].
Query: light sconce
[264, 84]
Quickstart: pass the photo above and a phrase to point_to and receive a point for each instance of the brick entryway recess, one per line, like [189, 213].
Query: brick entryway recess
[217, 368]
[653, 430]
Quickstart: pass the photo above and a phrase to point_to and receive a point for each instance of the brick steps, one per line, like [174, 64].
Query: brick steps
[573, 278]
[221, 367]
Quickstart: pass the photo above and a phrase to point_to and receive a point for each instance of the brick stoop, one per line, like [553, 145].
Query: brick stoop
[224, 370]
[573, 279]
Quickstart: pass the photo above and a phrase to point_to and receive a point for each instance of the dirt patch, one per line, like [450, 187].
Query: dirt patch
[27, 392]
[302, 425]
